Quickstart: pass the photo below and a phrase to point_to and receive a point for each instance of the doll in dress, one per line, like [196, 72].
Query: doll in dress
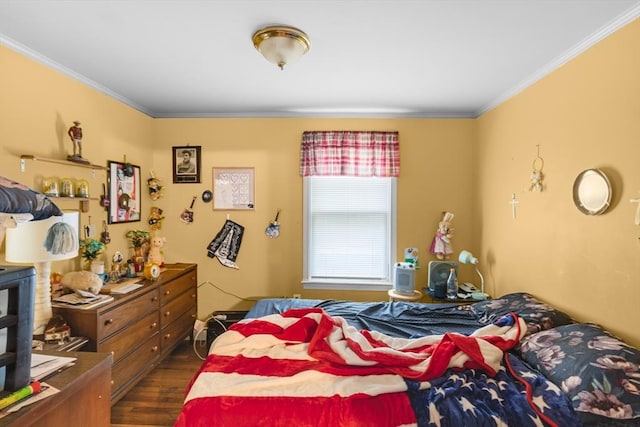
[441, 243]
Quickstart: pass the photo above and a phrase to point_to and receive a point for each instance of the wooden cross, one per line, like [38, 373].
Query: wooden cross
[513, 203]
[637, 221]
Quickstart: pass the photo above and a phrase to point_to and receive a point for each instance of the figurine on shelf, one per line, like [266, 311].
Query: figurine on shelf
[75, 133]
[441, 243]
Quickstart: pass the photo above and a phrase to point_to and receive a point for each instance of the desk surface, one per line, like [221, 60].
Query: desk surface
[85, 390]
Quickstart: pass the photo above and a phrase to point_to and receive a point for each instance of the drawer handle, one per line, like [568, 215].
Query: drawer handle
[153, 325]
[154, 348]
[113, 354]
[167, 292]
[167, 336]
[154, 299]
[108, 322]
[167, 314]
[193, 296]
[193, 316]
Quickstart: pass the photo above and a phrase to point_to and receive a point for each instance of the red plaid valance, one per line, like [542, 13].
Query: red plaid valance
[346, 153]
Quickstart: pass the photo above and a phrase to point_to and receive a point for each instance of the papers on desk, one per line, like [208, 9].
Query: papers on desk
[74, 300]
[44, 365]
[47, 390]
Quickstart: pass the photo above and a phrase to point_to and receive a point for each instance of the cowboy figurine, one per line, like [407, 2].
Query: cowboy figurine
[75, 133]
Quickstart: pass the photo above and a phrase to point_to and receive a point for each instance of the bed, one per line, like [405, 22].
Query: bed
[511, 361]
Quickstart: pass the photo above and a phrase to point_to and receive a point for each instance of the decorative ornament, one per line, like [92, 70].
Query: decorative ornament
[155, 186]
[155, 218]
[273, 230]
[441, 243]
[637, 219]
[537, 176]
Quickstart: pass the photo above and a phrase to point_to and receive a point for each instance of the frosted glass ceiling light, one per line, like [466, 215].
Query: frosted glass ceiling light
[281, 45]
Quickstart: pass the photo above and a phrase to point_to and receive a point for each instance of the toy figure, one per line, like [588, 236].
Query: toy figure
[155, 187]
[155, 218]
[441, 243]
[155, 253]
[75, 133]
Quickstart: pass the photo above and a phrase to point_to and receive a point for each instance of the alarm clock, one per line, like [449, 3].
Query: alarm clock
[151, 271]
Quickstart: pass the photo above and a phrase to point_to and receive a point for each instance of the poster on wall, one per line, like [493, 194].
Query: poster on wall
[186, 164]
[124, 192]
[233, 189]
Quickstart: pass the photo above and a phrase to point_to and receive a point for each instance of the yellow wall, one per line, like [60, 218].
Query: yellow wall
[40, 105]
[584, 115]
[430, 182]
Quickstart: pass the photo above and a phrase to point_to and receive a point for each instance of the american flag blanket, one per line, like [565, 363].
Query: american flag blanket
[306, 368]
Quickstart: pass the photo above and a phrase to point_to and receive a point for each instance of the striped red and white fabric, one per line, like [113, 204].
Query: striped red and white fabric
[306, 368]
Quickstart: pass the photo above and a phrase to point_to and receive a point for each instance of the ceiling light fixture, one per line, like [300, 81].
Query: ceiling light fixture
[281, 45]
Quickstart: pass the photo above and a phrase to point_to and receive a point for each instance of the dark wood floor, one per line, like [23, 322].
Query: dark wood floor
[157, 399]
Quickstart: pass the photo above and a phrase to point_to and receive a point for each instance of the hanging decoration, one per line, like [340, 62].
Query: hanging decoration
[637, 219]
[273, 229]
[155, 186]
[441, 243]
[537, 176]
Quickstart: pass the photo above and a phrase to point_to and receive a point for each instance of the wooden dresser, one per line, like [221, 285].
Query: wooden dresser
[142, 327]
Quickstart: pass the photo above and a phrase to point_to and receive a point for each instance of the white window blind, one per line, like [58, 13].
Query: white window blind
[349, 232]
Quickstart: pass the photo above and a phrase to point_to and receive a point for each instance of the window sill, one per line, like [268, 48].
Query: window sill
[347, 285]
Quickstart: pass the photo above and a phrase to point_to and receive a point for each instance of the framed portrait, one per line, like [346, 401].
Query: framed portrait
[186, 165]
[124, 192]
[233, 188]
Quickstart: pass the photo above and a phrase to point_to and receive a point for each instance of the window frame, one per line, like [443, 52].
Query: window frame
[360, 284]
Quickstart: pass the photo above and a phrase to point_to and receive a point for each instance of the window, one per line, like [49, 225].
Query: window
[349, 232]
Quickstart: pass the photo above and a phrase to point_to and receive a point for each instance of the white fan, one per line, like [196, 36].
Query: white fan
[438, 275]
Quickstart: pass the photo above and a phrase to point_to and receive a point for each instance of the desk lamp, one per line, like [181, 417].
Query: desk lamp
[39, 243]
[467, 257]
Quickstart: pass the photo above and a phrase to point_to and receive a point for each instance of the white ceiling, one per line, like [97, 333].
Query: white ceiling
[376, 58]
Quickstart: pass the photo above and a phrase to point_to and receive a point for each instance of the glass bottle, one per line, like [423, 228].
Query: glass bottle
[452, 284]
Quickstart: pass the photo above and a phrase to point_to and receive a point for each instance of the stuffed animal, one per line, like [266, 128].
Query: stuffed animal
[441, 243]
[83, 280]
[155, 251]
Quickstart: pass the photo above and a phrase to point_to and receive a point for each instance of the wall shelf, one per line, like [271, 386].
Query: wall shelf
[84, 201]
[24, 157]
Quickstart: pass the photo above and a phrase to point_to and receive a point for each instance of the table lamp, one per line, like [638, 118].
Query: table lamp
[467, 257]
[39, 243]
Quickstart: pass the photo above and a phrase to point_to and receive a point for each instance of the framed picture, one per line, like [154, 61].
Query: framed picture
[233, 188]
[186, 165]
[124, 192]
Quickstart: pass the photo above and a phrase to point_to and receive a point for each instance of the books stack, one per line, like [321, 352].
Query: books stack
[82, 302]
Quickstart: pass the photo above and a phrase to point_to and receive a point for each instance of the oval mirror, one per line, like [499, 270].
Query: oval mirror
[592, 192]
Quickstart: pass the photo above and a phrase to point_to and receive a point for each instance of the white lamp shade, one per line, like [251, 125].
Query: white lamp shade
[467, 258]
[52, 239]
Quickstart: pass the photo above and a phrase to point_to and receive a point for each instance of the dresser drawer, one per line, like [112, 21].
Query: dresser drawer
[181, 327]
[183, 303]
[120, 345]
[112, 321]
[172, 289]
[134, 364]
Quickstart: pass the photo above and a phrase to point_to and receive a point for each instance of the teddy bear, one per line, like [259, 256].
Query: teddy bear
[155, 250]
[82, 280]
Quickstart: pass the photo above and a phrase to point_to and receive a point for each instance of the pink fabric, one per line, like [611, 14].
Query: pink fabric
[350, 153]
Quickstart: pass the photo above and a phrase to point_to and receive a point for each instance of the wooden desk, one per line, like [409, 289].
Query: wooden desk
[84, 398]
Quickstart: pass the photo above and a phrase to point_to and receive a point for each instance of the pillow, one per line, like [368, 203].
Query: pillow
[538, 315]
[599, 372]
[18, 198]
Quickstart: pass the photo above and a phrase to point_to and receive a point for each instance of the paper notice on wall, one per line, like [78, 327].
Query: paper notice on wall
[223, 194]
